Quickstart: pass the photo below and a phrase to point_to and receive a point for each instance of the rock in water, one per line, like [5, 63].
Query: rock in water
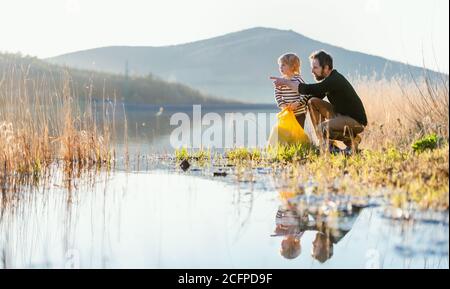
[219, 174]
[184, 165]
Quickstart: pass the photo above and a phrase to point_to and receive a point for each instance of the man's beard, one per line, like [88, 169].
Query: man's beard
[319, 77]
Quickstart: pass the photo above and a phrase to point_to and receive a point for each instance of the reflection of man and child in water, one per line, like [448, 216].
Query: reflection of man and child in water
[331, 219]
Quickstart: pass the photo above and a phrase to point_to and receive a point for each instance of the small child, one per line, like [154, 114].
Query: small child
[289, 65]
[289, 225]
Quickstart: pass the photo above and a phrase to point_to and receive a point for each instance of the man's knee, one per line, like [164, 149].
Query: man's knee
[329, 130]
[313, 101]
[346, 134]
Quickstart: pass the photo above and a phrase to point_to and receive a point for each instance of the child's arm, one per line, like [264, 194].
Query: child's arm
[279, 98]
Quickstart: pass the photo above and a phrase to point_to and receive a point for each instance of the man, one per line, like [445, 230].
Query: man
[343, 117]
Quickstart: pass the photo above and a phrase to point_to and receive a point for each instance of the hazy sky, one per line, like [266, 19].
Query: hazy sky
[405, 30]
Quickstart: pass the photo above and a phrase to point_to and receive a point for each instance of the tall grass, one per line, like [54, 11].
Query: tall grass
[45, 122]
[402, 110]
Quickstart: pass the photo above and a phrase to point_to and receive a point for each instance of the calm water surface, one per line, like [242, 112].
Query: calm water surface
[158, 216]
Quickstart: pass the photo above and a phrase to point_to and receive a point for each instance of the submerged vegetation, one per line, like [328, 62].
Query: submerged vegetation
[402, 176]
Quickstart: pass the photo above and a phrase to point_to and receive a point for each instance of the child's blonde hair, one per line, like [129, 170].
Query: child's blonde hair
[291, 60]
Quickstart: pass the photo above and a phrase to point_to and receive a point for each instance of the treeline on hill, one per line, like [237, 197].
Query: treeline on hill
[131, 89]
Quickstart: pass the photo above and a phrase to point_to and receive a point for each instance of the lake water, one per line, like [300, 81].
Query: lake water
[149, 130]
[158, 216]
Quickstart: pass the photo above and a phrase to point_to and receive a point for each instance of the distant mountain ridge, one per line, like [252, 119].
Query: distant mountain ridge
[235, 65]
[128, 89]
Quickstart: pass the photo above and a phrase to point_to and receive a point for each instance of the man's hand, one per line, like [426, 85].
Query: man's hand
[279, 82]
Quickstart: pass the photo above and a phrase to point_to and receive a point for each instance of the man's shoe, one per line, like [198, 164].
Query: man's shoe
[333, 149]
[349, 151]
[353, 144]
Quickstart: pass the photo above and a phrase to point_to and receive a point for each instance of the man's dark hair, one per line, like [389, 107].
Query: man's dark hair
[323, 58]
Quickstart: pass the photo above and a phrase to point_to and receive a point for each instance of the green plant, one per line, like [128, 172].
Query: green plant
[184, 154]
[289, 153]
[428, 142]
[181, 154]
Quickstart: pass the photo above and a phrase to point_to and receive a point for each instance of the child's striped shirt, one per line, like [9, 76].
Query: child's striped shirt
[285, 95]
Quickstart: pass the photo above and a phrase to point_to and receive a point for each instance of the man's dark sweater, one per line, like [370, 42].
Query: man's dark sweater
[340, 93]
